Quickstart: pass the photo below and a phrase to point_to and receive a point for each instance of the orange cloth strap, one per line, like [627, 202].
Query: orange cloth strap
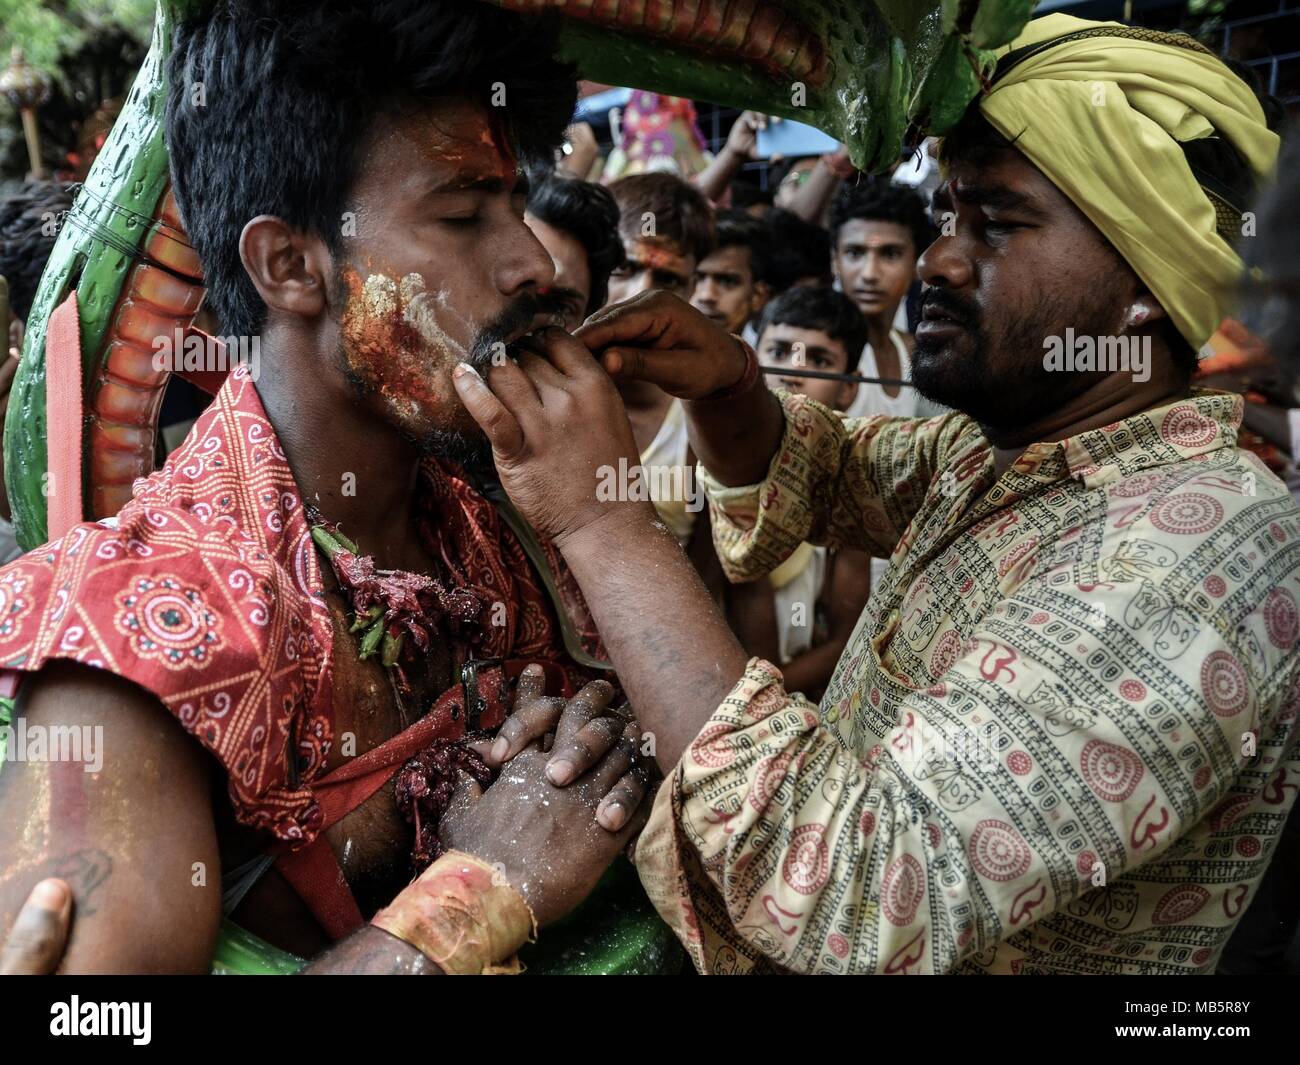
[64, 427]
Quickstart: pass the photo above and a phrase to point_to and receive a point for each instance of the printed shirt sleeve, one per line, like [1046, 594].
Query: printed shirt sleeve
[836, 482]
[774, 841]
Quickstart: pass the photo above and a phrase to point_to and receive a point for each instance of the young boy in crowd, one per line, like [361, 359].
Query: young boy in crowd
[802, 614]
[667, 230]
[877, 233]
[732, 282]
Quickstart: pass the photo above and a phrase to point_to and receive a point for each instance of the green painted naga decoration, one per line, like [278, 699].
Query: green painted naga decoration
[862, 70]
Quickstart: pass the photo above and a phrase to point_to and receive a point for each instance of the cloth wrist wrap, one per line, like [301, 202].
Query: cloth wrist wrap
[463, 916]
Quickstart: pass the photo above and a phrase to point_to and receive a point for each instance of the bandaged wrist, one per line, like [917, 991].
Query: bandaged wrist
[462, 915]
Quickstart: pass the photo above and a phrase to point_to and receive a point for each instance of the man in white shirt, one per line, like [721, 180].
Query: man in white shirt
[877, 231]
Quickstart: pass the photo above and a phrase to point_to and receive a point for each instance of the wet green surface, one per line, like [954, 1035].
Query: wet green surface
[615, 932]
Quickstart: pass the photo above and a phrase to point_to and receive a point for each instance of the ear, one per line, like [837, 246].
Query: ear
[1143, 309]
[288, 268]
[762, 293]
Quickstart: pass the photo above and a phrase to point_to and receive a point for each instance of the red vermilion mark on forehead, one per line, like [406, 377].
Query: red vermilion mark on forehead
[467, 144]
[495, 136]
[657, 256]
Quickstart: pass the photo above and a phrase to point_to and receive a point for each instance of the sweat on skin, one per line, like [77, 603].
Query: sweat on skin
[21, 742]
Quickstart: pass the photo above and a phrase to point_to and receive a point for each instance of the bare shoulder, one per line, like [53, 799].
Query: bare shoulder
[101, 786]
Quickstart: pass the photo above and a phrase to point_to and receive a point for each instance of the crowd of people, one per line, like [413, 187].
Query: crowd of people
[914, 535]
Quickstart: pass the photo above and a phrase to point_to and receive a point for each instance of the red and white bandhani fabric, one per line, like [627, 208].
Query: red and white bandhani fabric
[206, 591]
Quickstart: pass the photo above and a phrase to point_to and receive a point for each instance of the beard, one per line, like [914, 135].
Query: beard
[995, 374]
[466, 444]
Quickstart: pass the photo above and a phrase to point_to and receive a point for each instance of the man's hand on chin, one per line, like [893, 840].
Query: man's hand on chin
[735, 423]
[558, 429]
[660, 338]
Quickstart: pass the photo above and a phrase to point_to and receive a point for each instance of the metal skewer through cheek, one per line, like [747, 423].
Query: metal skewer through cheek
[831, 375]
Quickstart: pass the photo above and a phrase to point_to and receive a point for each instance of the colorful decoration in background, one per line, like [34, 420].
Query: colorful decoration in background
[658, 133]
[861, 70]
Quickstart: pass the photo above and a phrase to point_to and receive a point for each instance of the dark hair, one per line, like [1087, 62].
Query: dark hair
[27, 237]
[681, 212]
[798, 249]
[820, 308]
[736, 229]
[289, 91]
[875, 200]
[747, 194]
[972, 140]
[589, 214]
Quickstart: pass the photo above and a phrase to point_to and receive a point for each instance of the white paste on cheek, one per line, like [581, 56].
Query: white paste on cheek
[379, 294]
[420, 309]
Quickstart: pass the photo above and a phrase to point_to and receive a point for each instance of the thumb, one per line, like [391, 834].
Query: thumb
[39, 936]
[465, 794]
[498, 424]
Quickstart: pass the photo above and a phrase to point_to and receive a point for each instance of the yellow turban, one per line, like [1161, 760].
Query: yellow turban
[1103, 114]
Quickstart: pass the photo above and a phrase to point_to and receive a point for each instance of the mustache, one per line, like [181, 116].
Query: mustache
[519, 314]
[963, 310]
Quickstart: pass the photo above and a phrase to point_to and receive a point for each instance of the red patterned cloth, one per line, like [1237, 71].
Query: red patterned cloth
[206, 591]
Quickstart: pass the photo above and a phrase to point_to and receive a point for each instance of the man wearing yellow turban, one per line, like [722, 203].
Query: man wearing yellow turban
[1115, 118]
[1160, 150]
[1063, 736]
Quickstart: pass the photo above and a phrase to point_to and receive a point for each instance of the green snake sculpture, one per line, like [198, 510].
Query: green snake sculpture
[862, 70]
